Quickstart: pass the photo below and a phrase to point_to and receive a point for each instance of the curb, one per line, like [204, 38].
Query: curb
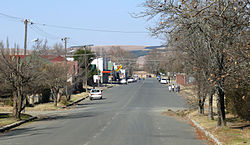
[207, 133]
[77, 101]
[109, 86]
[13, 125]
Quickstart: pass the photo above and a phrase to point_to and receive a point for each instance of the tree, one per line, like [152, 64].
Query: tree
[18, 74]
[123, 57]
[55, 78]
[152, 63]
[41, 47]
[212, 28]
[84, 58]
[58, 49]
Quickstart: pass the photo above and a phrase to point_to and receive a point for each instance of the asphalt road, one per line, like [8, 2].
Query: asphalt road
[128, 115]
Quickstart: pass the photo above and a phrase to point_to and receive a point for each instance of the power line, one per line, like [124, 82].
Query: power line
[74, 28]
[88, 29]
[43, 33]
[12, 17]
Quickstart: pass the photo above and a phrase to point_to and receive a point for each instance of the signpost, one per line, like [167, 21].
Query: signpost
[118, 68]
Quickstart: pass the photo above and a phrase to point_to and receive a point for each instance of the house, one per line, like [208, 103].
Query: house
[184, 79]
[102, 64]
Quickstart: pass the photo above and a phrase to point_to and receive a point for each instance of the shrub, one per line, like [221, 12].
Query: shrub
[238, 102]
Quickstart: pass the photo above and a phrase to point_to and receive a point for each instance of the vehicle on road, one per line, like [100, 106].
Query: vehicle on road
[123, 81]
[130, 80]
[95, 94]
[163, 81]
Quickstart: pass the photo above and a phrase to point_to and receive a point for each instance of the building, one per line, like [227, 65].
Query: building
[102, 64]
[184, 79]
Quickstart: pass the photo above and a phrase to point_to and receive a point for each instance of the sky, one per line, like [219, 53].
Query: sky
[111, 15]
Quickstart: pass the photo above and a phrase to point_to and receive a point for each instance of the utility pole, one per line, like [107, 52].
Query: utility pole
[98, 73]
[86, 70]
[65, 63]
[25, 37]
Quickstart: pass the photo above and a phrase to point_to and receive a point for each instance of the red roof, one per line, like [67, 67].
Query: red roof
[57, 60]
[53, 58]
[21, 56]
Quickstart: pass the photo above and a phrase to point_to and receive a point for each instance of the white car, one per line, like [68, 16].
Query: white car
[130, 80]
[95, 94]
[163, 81]
[123, 81]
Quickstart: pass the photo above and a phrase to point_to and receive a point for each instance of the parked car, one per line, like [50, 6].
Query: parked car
[123, 81]
[163, 81]
[95, 94]
[130, 80]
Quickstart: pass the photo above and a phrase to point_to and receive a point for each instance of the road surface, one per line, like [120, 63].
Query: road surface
[128, 115]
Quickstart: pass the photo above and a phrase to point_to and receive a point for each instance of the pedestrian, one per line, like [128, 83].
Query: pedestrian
[169, 88]
[179, 88]
[176, 88]
[172, 87]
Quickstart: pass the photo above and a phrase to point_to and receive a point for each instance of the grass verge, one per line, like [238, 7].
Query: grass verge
[237, 131]
[8, 118]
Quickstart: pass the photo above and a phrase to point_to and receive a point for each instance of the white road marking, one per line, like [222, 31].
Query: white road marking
[113, 117]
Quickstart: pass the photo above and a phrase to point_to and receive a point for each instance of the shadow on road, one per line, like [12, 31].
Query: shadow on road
[68, 116]
[25, 132]
[95, 102]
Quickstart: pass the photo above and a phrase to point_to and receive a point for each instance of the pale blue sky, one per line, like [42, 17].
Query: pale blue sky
[91, 14]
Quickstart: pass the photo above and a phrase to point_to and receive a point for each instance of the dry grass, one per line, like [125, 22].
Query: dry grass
[6, 108]
[7, 118]
[47, 106]
[78, 96]
[233, 134]
[44, 107]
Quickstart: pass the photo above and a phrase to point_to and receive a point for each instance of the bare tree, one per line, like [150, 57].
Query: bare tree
[152, 63]
[123, 57]
[41, 47]
[54, 77]
[18, 74]
[58, 49]
[212, 28]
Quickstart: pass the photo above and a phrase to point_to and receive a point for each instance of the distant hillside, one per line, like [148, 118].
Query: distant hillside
[134, 49]
[139, 53]
[155, 47]
[124, 47]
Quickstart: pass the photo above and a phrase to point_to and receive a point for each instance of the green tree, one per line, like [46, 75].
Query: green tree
[84, 58]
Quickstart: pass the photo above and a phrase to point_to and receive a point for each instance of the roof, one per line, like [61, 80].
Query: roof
[53, 58]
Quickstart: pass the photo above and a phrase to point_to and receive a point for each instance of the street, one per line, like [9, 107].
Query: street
[128, 115]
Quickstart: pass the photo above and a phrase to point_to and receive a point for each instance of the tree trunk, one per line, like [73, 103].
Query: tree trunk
[15, 110]
[210, 107]
[55, 99]
[200, 102]
[201, 107]
[55, 94]
[221, 108]
[19, 103]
